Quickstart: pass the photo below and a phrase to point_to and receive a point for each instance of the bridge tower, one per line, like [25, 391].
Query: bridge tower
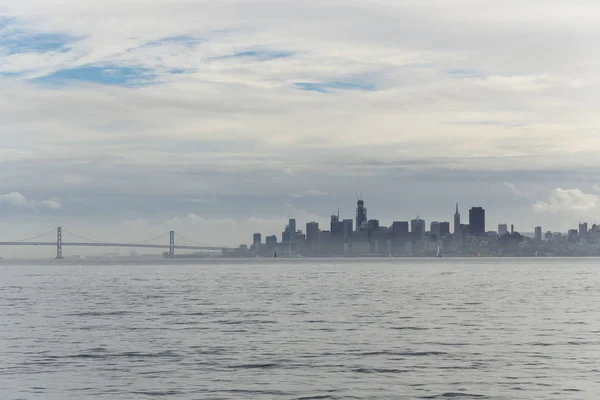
[171, 244]
[59, 255]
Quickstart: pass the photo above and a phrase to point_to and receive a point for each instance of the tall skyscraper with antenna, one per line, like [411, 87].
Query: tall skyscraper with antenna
[361, 212]
[457, 222]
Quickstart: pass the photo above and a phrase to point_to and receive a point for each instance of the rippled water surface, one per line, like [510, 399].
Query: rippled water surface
[346, 329]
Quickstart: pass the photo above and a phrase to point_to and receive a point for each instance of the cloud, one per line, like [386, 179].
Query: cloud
[567, 200]
[310, 193]
[181, 100]
[515, 191]
[17, 200]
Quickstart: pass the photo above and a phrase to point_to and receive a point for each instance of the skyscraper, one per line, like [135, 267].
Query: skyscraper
[538, 233]
[583, 230]
[361, 214]
[312, 235]
[348, 226]
[477, 221]
[256, 239]
[444, 229]
[457, 222]
[417, 228]
[400, 228]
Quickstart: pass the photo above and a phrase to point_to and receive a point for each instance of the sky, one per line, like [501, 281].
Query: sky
[121, 120]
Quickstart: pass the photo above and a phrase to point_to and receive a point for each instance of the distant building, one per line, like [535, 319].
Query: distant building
[359, 243]
[325, 242]
[434, 228]
[372, 225]
[256, 239]
[502, 229]
[538, 233]
[400, 228]
[457, 224]
[348, 227]
[476, 221]
[312, 235]
[444, 228]
[361, 214]
[465, 230]
[583, 230]
[337, 235]
[271, 241]
[548, 236]
[417, 228]
[573, 235]
[292, 226]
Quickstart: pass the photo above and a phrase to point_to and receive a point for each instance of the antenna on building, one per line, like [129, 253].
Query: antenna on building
[356, 193]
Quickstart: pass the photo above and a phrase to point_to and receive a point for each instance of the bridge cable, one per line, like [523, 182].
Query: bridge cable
[35, 237]
[162, 235]
[81, 237]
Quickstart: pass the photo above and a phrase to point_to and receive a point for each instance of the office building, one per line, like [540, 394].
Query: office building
[348, 227]
[361, 215]
[271, 241]
[477, 221]
[256, 239]
[583, 230]
[400, 228]
[502, 229]
[457, 222]
[417, 228]
[372, 225]
[538, 233]
[434, 228]
[312, 235]
[444, 228]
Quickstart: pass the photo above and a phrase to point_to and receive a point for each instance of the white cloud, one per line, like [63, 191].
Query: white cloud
[17, 200]
[567, 200]
[515, 191]
[239, 127]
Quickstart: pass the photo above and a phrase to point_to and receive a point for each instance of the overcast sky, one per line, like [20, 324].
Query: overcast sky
[122, 119]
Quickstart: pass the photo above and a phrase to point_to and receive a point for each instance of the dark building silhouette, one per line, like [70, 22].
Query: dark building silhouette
[337, 235]
[348, 227]
[361, 214]
[417, 228]
[444, 228]
[271, 241]
[373, 225]
[457, 222]
[256, 239]
[312, 235]
[400, 228]
[477, 221]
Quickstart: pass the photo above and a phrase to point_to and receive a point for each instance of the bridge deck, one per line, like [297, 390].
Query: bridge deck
[129, 245]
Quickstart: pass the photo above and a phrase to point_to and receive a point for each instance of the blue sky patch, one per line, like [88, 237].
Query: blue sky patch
[326, 87]
[22, 42]
[260, 55]
[106, 75]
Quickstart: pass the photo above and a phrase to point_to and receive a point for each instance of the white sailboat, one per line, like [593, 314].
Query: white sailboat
[438, 255]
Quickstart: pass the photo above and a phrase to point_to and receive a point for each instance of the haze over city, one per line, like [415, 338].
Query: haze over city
[223, 119]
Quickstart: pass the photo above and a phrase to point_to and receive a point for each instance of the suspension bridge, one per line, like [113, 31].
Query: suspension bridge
[82, 241]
